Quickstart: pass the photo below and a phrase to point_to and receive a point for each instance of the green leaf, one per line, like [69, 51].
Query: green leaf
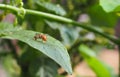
[15, 2]
[100, 17]
[96, 65]
[43, 67]
[11, 66]
[52, 48]
[7, 27]
[110, 5]
[85, 51]
[57, 9]
[69, 34]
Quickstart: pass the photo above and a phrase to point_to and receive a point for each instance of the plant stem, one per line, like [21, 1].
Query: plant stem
[61, 19]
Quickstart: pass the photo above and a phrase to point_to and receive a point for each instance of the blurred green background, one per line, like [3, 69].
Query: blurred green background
[91, 54]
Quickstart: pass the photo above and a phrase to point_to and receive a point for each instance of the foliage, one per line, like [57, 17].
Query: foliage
[51, 7]
[92, 61]
[23, 56]
[51, 47]
[110, 5]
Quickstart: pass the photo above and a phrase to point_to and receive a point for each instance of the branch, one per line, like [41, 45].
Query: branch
[61, 19]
